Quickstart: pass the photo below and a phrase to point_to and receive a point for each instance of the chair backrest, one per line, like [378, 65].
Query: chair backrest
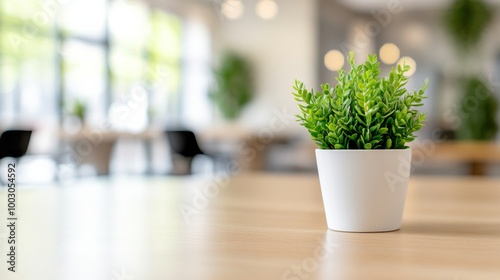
[183, 142]
[14, 143]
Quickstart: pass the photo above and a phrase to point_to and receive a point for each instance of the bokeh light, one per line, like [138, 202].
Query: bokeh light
[232, 9]
[266, 9]
[389, 53]
[334, 60]
[408, 61]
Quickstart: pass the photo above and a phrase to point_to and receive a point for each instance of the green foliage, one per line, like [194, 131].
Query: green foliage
[363, 111]
[479, 107]
[79, 110]
[466, 20]
[233, 85]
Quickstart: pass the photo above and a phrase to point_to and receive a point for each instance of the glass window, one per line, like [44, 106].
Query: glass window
[106, 54]
[84, 18]
[164, 75]
[129, 25]
[26, 14]
[127, 71]
[196, 61]
[145, 60]
[27, 72]
[84, 72]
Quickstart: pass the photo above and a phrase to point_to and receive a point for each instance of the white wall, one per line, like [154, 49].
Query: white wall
[281, 50]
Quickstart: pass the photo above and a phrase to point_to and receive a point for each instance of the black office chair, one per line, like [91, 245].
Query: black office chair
[183, 143]
[14, 143]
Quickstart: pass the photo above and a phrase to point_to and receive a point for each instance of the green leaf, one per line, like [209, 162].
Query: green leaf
[368, 119]
[339, 146]
[363, 110]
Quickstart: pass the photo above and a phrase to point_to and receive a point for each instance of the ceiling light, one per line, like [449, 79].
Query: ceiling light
[232, 9]
[334, 60]
[389, 53]
[408, 61]
[266, 9]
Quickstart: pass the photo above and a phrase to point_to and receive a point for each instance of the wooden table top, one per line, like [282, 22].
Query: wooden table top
[257, 226]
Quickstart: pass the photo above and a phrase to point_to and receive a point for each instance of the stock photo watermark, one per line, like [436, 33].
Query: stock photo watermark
[421, 151]
[12, 218]
[121, 275]
[202, 197]
[46, 13]
[372, 28]
[454, 117]
[309, 265]
[120, 109]
[279, 121]
[228, 9]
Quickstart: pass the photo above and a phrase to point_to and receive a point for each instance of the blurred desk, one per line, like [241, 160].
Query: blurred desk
[476, 153]
[95, 146]
[257, 227]
[248, 147]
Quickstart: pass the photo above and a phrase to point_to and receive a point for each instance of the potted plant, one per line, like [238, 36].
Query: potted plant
[362, 126]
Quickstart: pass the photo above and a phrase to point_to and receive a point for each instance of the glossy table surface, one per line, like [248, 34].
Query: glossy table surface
[251, 226]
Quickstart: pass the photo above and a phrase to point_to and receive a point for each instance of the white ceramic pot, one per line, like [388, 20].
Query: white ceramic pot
[364, 190]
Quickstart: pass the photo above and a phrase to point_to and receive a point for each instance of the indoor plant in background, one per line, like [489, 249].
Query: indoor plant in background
[362, 126]
[79, 110]
[466, 22]
[233, 85]
[481, 106]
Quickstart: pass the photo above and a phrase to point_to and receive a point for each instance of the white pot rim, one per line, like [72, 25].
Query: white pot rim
[361, 150]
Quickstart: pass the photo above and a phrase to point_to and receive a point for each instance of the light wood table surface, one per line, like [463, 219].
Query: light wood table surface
[258, 226]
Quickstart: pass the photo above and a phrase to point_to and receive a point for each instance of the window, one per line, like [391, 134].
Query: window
[145, 57]
[27, 71]
[196, 68]
[121, 58]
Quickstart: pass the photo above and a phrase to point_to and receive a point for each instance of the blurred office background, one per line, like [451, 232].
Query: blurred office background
[100, 81]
